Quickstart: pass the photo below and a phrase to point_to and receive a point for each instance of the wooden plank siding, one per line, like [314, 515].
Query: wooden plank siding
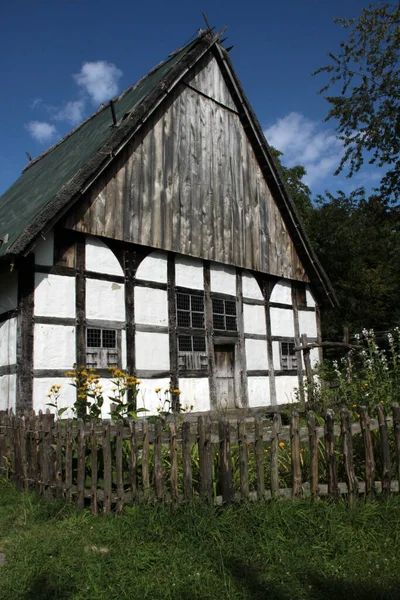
[189, 182]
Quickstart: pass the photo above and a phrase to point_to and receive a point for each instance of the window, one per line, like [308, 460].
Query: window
[190, 310]
[288, 356]
[224, 314]
[192, 353]
[102, 348]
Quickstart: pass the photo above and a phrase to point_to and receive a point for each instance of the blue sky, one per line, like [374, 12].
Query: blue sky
[59, 60]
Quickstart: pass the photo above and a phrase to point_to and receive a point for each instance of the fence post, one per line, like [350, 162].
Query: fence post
[333, 488]
[145, 461]
[187, 462]
[205, 456]
[68, 461]
[93, 468]
[387, 467]
[295, 454]
[313, 444]
[174, 463]
[80, 481]
[158, 470]
[107, 476]
[369, 453]
[225, 463]
[118, 468]
[347, 437]
[58, 467]
[243, 466]
[396, 429]
[133, 459]
[259, 452]
[276, 429]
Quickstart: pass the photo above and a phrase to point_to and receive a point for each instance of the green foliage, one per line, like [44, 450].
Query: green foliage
[367, 103]
[275, 551]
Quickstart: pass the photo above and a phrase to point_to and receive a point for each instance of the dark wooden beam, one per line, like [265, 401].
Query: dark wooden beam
[25, 334]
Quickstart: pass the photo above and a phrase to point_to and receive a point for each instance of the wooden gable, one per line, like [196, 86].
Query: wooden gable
[190, 182]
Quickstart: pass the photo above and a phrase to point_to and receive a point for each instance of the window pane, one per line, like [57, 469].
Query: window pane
[183, 318]
[219, 321]
[183, 301]
[109, 338]
[291, 349]
[218, 306]
[198, 320]
[185, 343]
[197, 303]
[93, 338]
[284, 348]
[230, 307]
[231, 323]
[199, 344]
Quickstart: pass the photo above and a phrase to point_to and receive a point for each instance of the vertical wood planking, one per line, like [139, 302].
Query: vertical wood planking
[396, 428]
[259, 456]
[313, 445]
[107, 475]
[295, 454]
[133, 459]
[145, 461]
[243, 459]
[333, 488]
[81, 471]
[24, 458]
[187, 462]
[347, 440]
[118, 468]
[93, 467]
[59, 461]
[369, 453]
[68, 461]
[225, 463]
[205, 459]
[158, 470]
[276, 429]
[174, 462]
[385, 449]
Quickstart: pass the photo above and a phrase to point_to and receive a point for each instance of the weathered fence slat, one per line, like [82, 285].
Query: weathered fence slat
[24, 461]
[369, 453]
[243, 460]
[259, 455]
[385, 448]
[58, 462]
[68, 461]
[93, 468]
[174, 463]
[80, 486]
[133, 459]
[225, 463]
[205, 459]
[396, 427]
[276, 429]
[347, 440]
[295, 454]
[158, 470]
[145, 461]
[118, 468]
[187, 462]
[333, 488]
[313, 445]
[107, 466]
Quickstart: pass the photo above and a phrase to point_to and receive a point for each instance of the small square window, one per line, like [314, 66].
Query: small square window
[190, 310]
[224, 314]
[102, 348]
[288, 356]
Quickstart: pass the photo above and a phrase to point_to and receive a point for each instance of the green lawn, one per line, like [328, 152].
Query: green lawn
[278, 550]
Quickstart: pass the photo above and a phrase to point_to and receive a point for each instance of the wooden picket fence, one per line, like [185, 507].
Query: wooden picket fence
[108, 465]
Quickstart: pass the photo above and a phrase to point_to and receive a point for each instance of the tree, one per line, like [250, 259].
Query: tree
[367, 69]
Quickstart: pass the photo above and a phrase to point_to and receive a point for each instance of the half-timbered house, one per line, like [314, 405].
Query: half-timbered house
[159, 237]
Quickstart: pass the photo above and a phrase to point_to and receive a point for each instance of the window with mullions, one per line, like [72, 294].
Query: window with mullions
[192, 352]
[190, 310]
[102, 348]
[288, 356]
[224, 314]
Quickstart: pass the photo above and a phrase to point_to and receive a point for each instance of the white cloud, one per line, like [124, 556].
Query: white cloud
[35, 103]
[307, 143]
[72, 112]
[40, 131]
[99, 79]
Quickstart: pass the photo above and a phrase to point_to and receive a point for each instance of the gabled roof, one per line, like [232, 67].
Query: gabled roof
[50, 184]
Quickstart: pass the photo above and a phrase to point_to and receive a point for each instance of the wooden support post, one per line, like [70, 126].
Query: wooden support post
[68, 461]
[259, 453]
[145, 461]
[225, 463]
[243, 461]
[333, 488]
[313, 445]
[347, 438]
[276, 429]
[81, 472]
[58, 463]
[187, 462]
[385, 448]
[174, 463]
[94, 467]
[133, 460]
[295, 454]
[107, 475]
[205, 456]
[118, 468]
[369, 453]
[158, 470]
[25, 332]
[309, 372]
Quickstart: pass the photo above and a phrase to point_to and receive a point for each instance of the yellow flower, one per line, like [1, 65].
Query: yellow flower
[354, 405]
[176, 392]
[281, 444]
[158, 390]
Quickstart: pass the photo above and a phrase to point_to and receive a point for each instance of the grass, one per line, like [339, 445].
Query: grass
[279, 550]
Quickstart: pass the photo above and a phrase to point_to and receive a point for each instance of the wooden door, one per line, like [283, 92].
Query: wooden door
[224, 375]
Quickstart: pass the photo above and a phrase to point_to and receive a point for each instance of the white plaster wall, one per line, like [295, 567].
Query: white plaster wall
[100, 258]
[147, 397]
[44, 250]
[54, 295]
[223, 279]
[309, 297]
[258, 391]
[54, 347]
[196, 393]
[256, 355]
[254, 319]
[123, 350]
[251, 289]
[189, 273]
[286, 386]
[308, 323]
[152, 351]
[151, 306]
[8, 392]
[105, 300]
[41, 387]
[8, 342]
[282, 322]
[153, 268]
[276, 355]
[282, 292]
[8, 291]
